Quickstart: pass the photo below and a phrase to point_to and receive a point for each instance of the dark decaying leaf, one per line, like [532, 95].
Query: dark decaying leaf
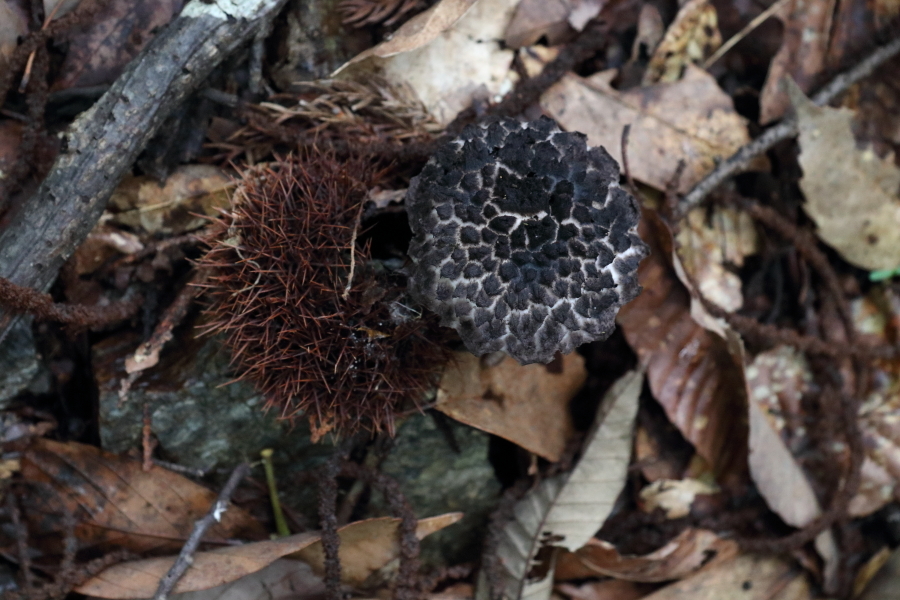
[115, 502]
[692, 374]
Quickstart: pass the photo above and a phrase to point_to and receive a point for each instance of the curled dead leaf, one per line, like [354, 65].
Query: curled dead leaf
[691, 550]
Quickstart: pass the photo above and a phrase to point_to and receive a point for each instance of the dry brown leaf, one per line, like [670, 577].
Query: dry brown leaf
[527, 405]
[690, 39]
[117, 503]
[783, 484]
[851, 194]
[554, 20]
[450, 55]
[102, 243]
[681, 557]
[747, 577]
[802, 56]
[608, 589]
[13, 25]
[140, 578]
[691, 120]
[175, 207]
[692, 371]
[674, 497]
[100, 49]
[284, 579]
[368, 545]
[708, 243]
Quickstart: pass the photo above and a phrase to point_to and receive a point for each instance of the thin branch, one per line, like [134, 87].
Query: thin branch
[186, 557]
[740, 160]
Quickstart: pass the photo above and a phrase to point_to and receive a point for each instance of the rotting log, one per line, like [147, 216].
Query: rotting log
[103, 142]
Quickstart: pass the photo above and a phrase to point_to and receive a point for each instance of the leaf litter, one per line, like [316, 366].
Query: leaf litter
[737, 381]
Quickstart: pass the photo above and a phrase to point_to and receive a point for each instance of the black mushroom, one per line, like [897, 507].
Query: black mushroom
[523, 240]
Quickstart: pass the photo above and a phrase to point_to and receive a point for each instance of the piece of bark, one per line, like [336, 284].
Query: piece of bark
[103, 142]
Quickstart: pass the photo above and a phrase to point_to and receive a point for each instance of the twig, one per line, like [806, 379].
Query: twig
[740, 160]
[356, 224]
[186, 556]
[17, 299]
[733, 40]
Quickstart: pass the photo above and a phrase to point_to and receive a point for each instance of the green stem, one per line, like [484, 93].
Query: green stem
[280, 523]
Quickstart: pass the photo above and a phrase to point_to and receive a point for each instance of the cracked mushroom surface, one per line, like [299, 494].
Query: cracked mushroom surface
[523, 240]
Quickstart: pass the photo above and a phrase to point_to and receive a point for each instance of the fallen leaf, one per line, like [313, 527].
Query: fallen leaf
[748, 577]
[784, 486]
[554, 20]
[175, 207]
[366, 546]
[284, 579]
[692, 371]
[450, 55]
[116, 502]
[802, 56]
[13, 25]
[851, 194]
[680, 558]
[100, 49]
[674, 497]
[886, 581]
[140, 578]
[709, 242]
[103, 242]
[566, 510]
[608, 589]
[527, 405]
[691, 121]
[690, 39]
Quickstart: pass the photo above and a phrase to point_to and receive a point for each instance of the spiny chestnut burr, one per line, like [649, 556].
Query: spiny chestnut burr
[345, 357]
[523, 240]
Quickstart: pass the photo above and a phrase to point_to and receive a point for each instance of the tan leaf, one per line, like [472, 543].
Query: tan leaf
[851, 194]
[284, 579]
[690, 39]
[527, 405]
[450, 55]
[566, 510]
[13, 25]
[116, 502]
[140, 578]
[608, 589]
[748, 577]
[709, 243]
[886, 581]
[554, 20]
[691, 120]
[802, 56]
[173, 208]
[368, 545]
[693, 372]
[681, 557]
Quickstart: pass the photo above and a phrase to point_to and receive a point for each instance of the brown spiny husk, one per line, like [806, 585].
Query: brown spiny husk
[281, 259]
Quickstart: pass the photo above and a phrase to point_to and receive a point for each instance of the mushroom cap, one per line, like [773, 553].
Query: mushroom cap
[523, 240]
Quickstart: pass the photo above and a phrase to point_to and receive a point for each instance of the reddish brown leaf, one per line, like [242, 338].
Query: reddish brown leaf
[115, 502]
[99, 50]
[692, 374]
[691, 550]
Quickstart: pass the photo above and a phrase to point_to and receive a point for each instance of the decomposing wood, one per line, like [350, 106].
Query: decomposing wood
[101, 145]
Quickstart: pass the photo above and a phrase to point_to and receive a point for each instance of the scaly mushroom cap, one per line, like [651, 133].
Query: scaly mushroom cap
[523, 240]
